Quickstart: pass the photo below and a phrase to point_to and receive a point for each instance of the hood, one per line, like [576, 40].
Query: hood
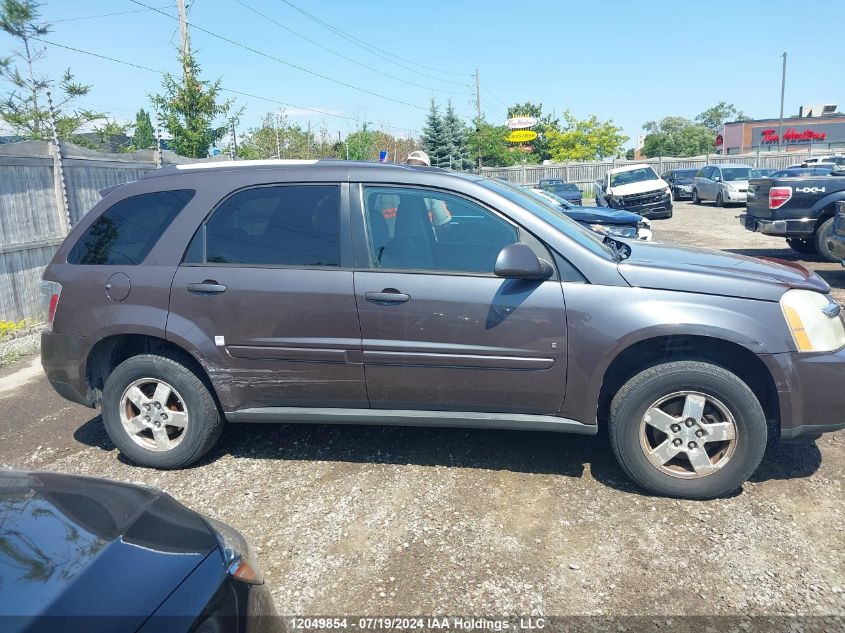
[638, 187]
[77, 546]
[690, 269]
[739, 184]
[685, 180]
[602, 215]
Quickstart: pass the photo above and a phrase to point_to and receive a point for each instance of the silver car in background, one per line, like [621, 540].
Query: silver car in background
[726, 183]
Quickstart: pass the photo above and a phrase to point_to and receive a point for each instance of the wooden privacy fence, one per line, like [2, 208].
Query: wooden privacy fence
[584, 174]
[33, 218]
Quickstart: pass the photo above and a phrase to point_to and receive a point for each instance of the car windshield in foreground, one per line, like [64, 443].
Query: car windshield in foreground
[545, 210]
[730, 174]
[635, 175]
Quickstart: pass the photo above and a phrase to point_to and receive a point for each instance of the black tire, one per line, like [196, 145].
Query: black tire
[633, 400]
[805, 247]
[695, 198]
[823, 232]
[720, 202]
[205, 424]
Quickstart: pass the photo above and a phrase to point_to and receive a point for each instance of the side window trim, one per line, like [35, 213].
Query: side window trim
[363, 260]
[345, 262]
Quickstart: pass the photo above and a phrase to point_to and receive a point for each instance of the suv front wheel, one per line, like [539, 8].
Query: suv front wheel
[687, 429]
[159, 413]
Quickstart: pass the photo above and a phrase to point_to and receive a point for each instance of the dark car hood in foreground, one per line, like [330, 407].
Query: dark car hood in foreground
[706, 271]
[75, 546]
[602, 215]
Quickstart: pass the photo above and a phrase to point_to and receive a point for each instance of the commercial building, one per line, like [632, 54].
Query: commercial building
[816, 128]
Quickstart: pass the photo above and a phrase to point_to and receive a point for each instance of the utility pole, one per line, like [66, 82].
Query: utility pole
[782, 91]
[185, 41]
[233, 142]
[478, 110]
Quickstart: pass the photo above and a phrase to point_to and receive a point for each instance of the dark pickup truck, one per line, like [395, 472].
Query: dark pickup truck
[800, 209]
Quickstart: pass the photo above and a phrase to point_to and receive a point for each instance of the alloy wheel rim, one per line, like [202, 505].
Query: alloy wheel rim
[688, 435]
[153, 414]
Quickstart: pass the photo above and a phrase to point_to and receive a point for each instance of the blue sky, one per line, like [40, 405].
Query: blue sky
[627, 61]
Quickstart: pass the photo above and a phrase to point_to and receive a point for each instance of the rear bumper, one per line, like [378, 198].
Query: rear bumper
[810, 392]
[64, 358]
[801, 227]
[836, 243]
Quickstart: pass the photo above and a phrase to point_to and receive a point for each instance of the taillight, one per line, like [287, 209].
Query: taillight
[779, 196]
[50, 293]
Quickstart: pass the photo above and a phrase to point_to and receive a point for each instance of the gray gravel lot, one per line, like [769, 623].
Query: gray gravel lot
[385, 521]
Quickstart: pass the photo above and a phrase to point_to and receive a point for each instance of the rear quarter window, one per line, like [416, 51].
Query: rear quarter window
[126, 232]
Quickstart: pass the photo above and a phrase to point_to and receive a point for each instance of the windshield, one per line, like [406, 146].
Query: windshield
[738, 173]
[635, 175]
[564, 187]
[546, 211]
[685, 173]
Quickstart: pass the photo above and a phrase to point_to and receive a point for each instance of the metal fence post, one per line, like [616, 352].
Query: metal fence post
[59, 170]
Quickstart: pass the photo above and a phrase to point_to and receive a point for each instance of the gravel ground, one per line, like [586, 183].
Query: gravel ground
[387, 521]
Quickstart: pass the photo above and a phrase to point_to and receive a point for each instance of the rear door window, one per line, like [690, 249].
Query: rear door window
[284, 225]
[127, 231]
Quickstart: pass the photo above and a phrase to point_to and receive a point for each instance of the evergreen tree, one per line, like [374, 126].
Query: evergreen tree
[24, 107]
[435, 140]
[456, 132]
[144, 137]
[191, 109]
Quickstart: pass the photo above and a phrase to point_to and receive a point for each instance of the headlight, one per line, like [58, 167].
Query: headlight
[814, 320]
[621, 231]
[238, 556]
[667, 191]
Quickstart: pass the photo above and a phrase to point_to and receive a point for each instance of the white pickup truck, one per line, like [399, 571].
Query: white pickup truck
[635, 188]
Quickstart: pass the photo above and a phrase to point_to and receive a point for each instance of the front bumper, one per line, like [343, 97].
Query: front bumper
[836, 243]
[650, 210]
[810, 393]
[735, 196]
[800, 227]
[682, 194]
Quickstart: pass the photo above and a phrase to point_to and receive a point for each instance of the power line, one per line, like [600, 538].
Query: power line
[354, 61]
[286, 63]
[375, 50]
[104, 15]
[230, 90]
[487, 90]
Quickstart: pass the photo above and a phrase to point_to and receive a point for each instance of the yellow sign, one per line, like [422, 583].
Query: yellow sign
[520, 136]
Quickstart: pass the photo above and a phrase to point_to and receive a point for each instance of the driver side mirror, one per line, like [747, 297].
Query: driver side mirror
[717, 179]
[518, 261]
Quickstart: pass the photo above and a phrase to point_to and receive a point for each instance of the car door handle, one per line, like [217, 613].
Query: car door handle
[207, 287]
[388, 295]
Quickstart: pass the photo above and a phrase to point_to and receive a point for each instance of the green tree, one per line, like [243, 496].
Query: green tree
[144, 137]
[276, 137]
[677, 136]
[112, 136]
[455, 130]
[435, 138]
[487, 143]
[588, 139]
[24, 108]
[720, 113]
[191, 109]
[362, 144]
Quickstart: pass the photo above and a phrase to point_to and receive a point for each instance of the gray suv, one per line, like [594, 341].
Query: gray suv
[341, 293]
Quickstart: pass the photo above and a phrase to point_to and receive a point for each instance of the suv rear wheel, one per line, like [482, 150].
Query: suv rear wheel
[159, 413]
[687, 429]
